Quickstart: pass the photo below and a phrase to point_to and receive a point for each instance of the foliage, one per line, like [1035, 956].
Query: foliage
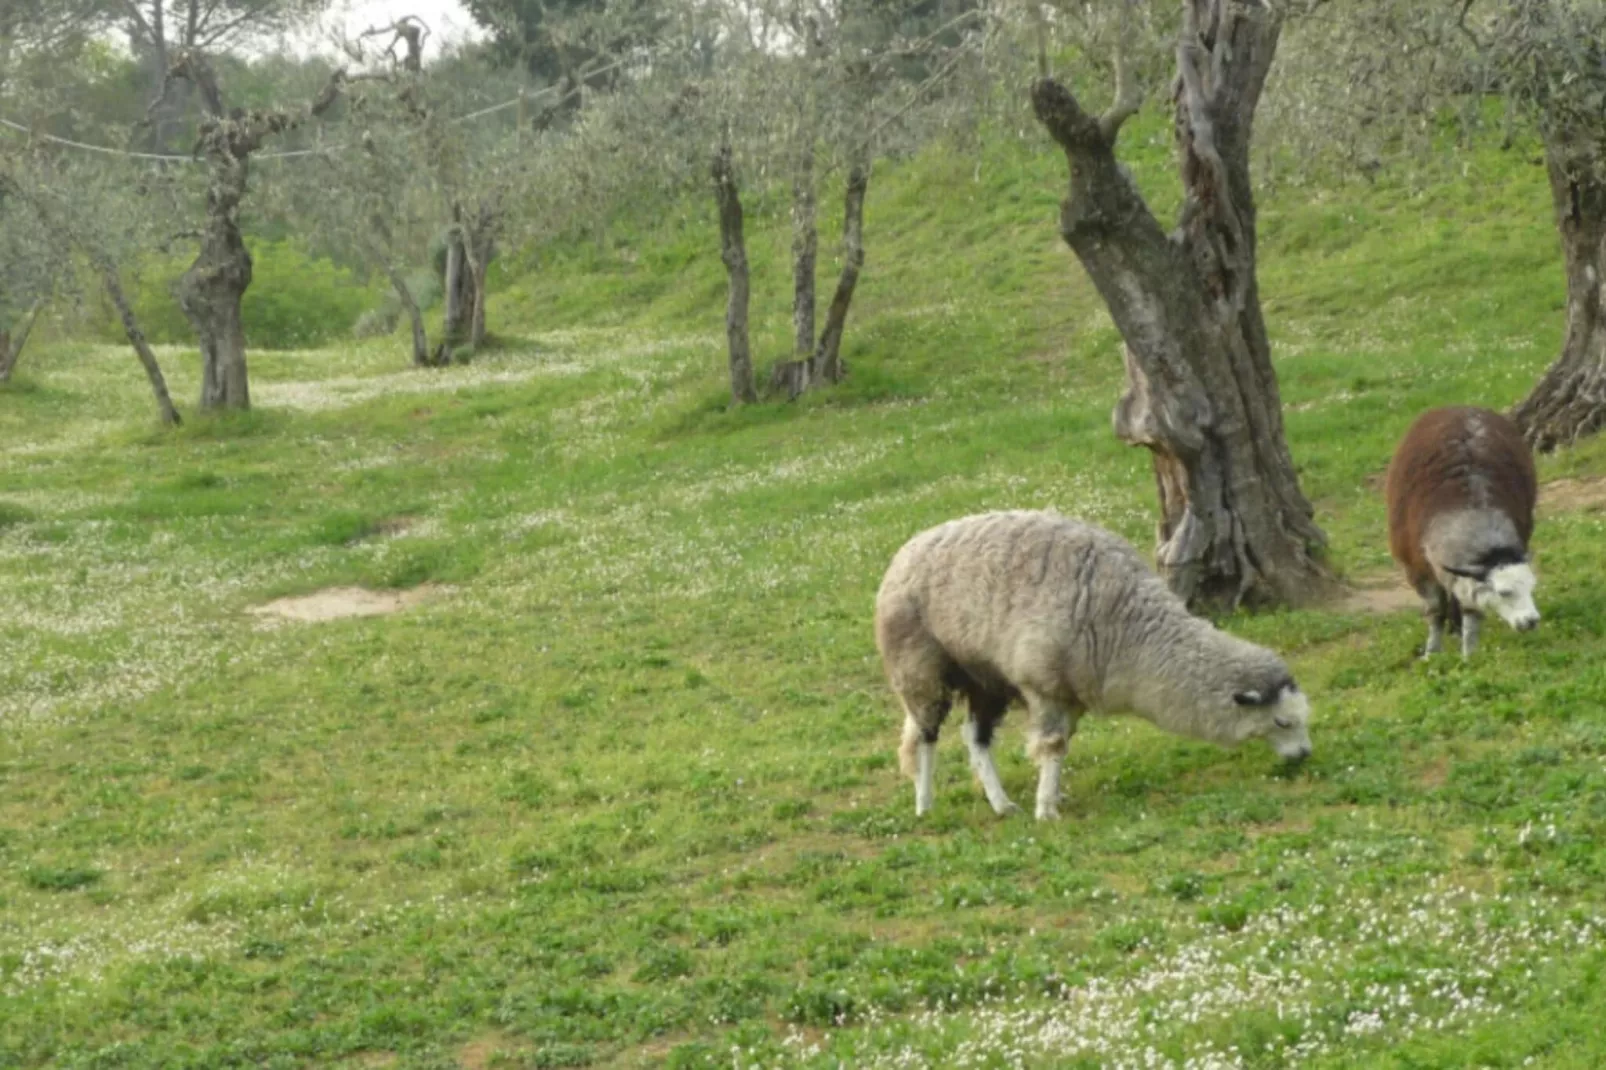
[295, 301]
[623, 793]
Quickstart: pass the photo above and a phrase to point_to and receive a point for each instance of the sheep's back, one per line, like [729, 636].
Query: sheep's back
[1012, 589]
[1454, 459]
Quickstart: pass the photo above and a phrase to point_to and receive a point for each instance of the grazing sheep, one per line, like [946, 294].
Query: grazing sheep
[1067, 618]
[1461, 492]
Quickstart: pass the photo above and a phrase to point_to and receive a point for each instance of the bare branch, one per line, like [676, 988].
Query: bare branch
[1128, 92]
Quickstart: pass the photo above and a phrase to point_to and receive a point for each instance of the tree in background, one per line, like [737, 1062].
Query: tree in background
[160, 32]
[59, 209]
[211, 290]
[1403, 67]
[29, 270]
[572, 45]
[1201, 392]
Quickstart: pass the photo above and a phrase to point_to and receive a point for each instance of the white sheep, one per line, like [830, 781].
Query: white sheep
[1066, 617]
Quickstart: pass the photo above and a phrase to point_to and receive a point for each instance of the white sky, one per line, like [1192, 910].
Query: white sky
[446, 19]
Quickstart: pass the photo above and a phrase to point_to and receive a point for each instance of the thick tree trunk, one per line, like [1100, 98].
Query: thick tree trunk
[142, 349]
[468, 258]
[828, 366]
[1201, 392]
[457, 288]
[11, 345]
[792, 376]
[733, 251]
[1569, 402]
[478, 265]
[805, 252]
[210, 293]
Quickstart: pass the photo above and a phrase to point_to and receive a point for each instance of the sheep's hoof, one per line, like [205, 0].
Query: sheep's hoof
[1050, 813]
[1006, 809]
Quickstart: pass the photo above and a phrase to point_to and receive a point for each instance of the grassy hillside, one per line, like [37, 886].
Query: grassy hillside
[621, 791]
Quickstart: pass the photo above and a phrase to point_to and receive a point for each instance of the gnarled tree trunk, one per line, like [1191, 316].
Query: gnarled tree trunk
[1569, 402]
[828, 366]
[1201, 393]
[468, 256]
[458, 286]
[733, 251]
[211, 292]
[792, 376]
[136, 337]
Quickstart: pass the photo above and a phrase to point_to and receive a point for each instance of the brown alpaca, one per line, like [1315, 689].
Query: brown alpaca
[1461, 491]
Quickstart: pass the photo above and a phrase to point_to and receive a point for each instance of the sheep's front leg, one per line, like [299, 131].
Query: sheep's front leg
[1051, 731]
[978, 739]
[1470, 624]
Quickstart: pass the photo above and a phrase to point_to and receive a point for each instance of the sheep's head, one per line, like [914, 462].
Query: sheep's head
[1280, 715]
[1505, 589]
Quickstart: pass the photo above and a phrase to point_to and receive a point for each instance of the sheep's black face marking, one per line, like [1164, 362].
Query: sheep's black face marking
[1270, 696]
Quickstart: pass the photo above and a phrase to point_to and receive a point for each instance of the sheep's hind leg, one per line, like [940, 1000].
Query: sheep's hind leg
[1437, 611]
[978, 733]
[918, 754]
[1053, 724]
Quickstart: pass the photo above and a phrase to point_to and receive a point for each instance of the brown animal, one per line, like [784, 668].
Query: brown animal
[1461, 491]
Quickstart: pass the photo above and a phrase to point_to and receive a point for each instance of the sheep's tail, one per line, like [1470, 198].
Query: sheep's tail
[909, 747]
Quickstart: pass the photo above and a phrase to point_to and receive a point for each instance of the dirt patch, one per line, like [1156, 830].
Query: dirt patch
[334, 603]
[1379, 595]
[1574, 495]
[1435, 774]
[478, 1054]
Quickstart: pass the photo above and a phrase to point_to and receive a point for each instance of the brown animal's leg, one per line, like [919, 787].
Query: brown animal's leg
[1470, 624]
[1437, 607]
[986, 710]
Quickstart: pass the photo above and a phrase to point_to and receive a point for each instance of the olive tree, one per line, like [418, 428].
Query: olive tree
[1201, 392]
[103, 215]
[1401, 67]
[211, 291]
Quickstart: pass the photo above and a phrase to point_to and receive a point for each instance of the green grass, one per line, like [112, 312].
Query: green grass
[623, 792]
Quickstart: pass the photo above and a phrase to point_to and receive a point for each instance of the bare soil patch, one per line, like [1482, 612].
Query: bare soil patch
[335, 603]
[1574, 495]
[1381, 594]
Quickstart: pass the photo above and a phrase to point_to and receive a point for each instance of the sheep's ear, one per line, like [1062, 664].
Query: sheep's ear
[1249, 698]
[1469, 573]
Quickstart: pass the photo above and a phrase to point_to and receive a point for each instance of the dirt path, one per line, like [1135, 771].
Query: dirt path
[1386, 592]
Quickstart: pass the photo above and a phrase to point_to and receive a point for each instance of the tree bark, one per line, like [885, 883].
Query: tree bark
[1201, 393]
[1569, 401]
[828, 366]
[459, 298]
[733, 252]
[792, 376]
[142, 349]
[11, 345]
[211, 291]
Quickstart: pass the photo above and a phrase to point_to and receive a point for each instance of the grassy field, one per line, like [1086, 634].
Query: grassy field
[621, 790]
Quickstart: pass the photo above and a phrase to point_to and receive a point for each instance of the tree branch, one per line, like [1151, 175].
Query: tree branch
[1062, 114]
[1128, 92]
